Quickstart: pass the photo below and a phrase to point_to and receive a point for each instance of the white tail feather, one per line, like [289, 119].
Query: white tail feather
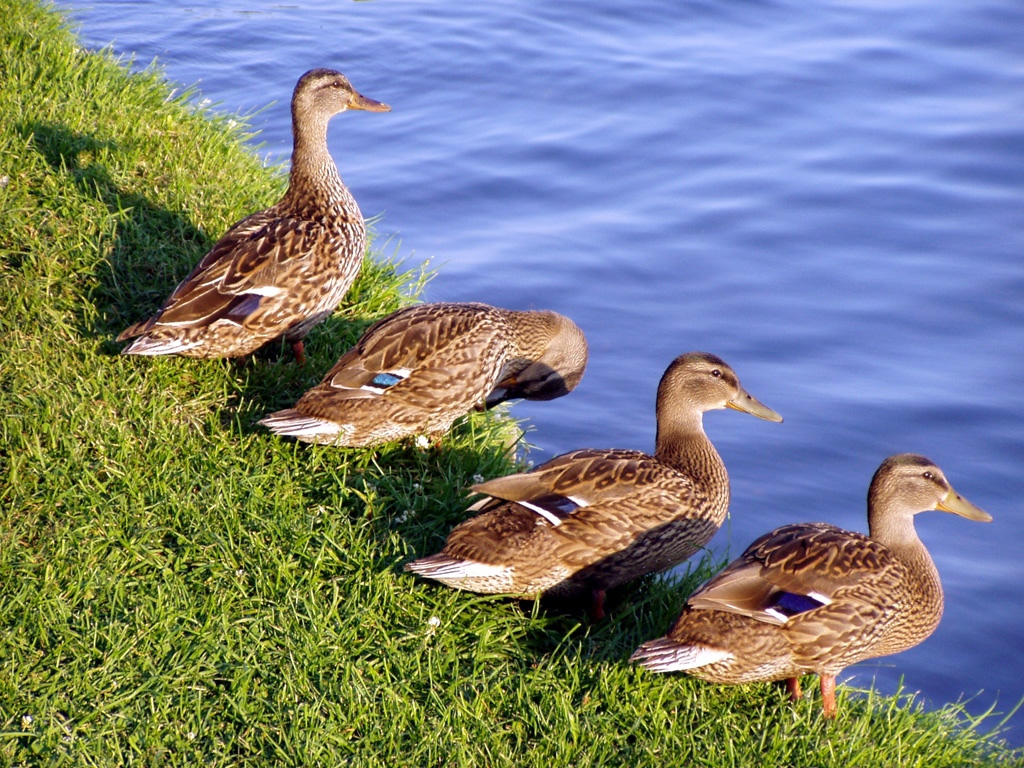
[438, 567]
[144, 345]
[294, 424]
[664, 655]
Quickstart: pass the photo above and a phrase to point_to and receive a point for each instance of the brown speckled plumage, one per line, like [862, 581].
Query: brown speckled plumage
[815, 598]
[419, 369]
[620, 514]
[282, 270]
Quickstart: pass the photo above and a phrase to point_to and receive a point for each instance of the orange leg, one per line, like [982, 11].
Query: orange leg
[793, 686]
[299, 350]
[828, 695]
[597, 606]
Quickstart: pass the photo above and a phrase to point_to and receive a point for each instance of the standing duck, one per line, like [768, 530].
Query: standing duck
[590, 520]
[811, 597]
[419, 369]
[278, 272]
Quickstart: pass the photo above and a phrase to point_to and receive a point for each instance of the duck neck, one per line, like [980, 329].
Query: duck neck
[528, 332]
[314, 179]
[896, 531]
[682, 444]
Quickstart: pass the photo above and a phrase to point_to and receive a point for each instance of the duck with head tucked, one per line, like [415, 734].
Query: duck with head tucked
[589, 520]
[419, 369]
[811, 597]
[278, 272]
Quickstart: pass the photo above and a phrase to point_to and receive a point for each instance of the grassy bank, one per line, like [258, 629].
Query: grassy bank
[179, 587]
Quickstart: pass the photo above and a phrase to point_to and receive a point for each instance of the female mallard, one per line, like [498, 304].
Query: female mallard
[811, 597]
[590, 520]
[416, 371]
[280, 271]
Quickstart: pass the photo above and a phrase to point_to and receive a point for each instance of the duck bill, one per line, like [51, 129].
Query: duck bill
[958, 505]
[359, 101]
[746, 402]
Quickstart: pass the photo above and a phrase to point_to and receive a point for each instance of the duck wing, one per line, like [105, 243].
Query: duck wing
[248, 263]
[579, 478]
[420, 355]
[574, 507]
[797, 569]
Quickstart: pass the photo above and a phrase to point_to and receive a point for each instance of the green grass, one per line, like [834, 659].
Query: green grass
[179, 587]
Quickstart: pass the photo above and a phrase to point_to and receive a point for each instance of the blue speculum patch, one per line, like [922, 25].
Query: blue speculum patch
[790, 604]
[385, 380]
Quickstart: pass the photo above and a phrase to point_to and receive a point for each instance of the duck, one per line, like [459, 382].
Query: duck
[589, 520]
[278, 272]
[815, 598]
[417, 370]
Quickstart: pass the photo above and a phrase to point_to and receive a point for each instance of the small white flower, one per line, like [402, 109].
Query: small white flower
[4, 181]
[478, 478]
[191, 735]
[240, 572]
[417, 487]
[422, 443]
[402, 516]
[434, 622]
[26, 721]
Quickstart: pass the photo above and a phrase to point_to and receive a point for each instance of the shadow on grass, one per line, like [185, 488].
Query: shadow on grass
[153, 247]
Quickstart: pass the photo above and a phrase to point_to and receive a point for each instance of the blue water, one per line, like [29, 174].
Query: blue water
[829, 195]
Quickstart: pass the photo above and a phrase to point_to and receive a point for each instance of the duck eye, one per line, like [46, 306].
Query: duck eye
[716, 373]
[928, 475]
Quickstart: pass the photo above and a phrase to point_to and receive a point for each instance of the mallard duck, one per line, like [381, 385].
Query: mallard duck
[811, 597]
[590, 520]
[282, 270]
[419, 369]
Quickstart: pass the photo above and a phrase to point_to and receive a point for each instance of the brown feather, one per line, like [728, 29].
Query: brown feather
[815, 598]
[434, 363]
[280, 271]
[590, 520]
